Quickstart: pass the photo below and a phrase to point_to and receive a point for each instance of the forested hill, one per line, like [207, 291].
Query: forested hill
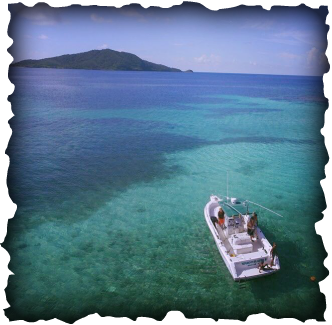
[96, 60]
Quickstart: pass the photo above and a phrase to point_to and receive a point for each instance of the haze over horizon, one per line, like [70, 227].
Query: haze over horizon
[288, 41]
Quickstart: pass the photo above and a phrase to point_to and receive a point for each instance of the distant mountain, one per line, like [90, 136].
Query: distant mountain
[96, 60]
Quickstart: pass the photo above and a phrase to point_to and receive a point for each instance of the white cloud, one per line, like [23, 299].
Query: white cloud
[317, 61]
[179, 44]
[130, 12]
[212, 58]
[99, 19]
[41, 14]
[312, 56]
[43, 36]
[260, 25]
[290, 56]
[296, 37]
[103, 46]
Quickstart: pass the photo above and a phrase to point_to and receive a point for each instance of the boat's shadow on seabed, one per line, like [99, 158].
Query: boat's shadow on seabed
[292, 279]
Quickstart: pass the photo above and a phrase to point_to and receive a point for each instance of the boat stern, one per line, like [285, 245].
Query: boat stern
[249, 269]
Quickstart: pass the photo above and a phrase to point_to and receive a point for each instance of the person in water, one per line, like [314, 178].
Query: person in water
[221, 217]
[273, 253]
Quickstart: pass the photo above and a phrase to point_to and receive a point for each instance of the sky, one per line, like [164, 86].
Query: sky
[284, 40]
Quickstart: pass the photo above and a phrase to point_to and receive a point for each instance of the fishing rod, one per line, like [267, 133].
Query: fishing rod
[265, 208]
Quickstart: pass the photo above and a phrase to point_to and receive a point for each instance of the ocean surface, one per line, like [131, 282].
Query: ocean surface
[111, 172]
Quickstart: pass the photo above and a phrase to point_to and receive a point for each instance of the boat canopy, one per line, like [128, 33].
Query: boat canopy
[241, 206]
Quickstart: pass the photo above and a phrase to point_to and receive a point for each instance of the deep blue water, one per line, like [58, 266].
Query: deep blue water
[111, 171]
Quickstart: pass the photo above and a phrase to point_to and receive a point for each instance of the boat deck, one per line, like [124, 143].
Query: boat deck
[257, 244]
[254, 273]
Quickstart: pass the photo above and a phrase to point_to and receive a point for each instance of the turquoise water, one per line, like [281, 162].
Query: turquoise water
[111, 172]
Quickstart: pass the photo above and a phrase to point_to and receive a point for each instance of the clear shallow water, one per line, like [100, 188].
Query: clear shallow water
[111, 171]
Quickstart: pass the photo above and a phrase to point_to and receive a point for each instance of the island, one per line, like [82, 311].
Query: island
[105, 59]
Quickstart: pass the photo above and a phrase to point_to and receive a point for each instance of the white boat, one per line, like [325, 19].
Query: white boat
[242, 254]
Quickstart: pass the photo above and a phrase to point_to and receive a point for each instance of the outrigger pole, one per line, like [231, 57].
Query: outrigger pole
[265, 208]
[227, 185]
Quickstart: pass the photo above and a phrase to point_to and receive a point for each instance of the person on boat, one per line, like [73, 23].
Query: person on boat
[221, 217]
[214, 221]
[273, 253]
[263, 266]
[255, 222]
[254, 217]
[251, 228]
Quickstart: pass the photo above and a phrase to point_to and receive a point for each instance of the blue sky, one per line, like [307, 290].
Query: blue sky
[241, 40]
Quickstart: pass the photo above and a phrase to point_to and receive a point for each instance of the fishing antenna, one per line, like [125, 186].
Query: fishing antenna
[265, 208]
